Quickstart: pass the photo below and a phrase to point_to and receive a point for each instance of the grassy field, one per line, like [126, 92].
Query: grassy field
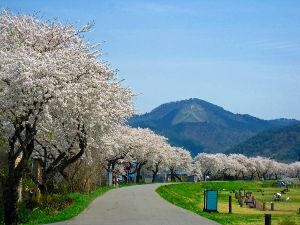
[51, 215]
[190, 196]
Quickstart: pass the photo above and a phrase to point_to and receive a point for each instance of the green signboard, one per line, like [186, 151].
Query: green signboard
[210, 201]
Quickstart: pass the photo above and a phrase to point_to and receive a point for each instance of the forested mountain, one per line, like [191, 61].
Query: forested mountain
[281, 144]
[201, 126]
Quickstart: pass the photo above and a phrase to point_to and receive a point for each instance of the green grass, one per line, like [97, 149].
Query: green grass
[79, 203]
[190, 197]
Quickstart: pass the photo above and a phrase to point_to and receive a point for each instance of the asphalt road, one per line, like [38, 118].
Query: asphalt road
[135, 205]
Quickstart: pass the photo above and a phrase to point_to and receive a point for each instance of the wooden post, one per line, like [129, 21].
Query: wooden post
[272, 206]
[267, 219]
[264, 206]
[230, 204]
[241, 202]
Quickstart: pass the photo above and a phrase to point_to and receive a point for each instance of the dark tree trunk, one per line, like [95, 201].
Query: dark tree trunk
[179, 178]
[18, 158]
[61, 162]
[243, 175]
[10, 198]
[154, 173]
[139, 167]
[46, 186]
[174, 176]
[138, 173]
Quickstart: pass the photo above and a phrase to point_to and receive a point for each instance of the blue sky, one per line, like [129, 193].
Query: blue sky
[241, 55]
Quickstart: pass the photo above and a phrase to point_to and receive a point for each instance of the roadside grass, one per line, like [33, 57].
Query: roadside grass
[50, 215]
[190, 197]
[74, 204]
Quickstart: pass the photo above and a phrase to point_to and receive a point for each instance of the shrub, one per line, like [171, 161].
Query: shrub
[62, 188]
[48, 205]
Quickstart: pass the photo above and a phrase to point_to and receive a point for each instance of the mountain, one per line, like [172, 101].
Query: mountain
[200, 126]
[282, 144]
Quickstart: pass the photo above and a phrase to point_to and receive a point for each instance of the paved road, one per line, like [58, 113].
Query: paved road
[135, 205]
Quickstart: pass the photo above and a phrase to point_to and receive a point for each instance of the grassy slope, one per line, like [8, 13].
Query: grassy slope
[190, 197]
[81, 201]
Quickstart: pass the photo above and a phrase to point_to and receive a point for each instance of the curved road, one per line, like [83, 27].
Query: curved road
[135, 205]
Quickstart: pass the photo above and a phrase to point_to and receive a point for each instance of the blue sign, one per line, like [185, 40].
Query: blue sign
[210, 201]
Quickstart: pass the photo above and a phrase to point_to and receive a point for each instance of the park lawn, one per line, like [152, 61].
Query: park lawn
[190, 197]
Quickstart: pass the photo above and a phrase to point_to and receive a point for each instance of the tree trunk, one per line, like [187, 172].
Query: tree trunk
[46, 187]
[173, 179]
[109, 174]
[243, 175]
[10, 198]
[154, 175]
[138, 170]
[178, 177]
[138, 173]
[17, 162]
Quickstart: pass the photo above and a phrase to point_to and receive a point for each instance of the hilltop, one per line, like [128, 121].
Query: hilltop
[201, 126]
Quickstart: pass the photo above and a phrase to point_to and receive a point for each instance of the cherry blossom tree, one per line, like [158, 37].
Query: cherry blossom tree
[180, 160]
[54, 94]
[278, 170]
[226, 166]
[210, 164]
[65, 140]
[145, 147]
[197, 170]
[262, 166]
[115, 145]
[159, 160]
[294, 170]
[239, 163]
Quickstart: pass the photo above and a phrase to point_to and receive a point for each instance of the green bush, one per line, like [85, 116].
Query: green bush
[56, 202]
[49, 205]
[24, 212]
[57, 207]
[61, 188]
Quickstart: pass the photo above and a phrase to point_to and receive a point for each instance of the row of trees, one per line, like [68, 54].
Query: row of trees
[238, 166]
[139, 149]
[64, 107]
[142, 149]
[56, 100]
